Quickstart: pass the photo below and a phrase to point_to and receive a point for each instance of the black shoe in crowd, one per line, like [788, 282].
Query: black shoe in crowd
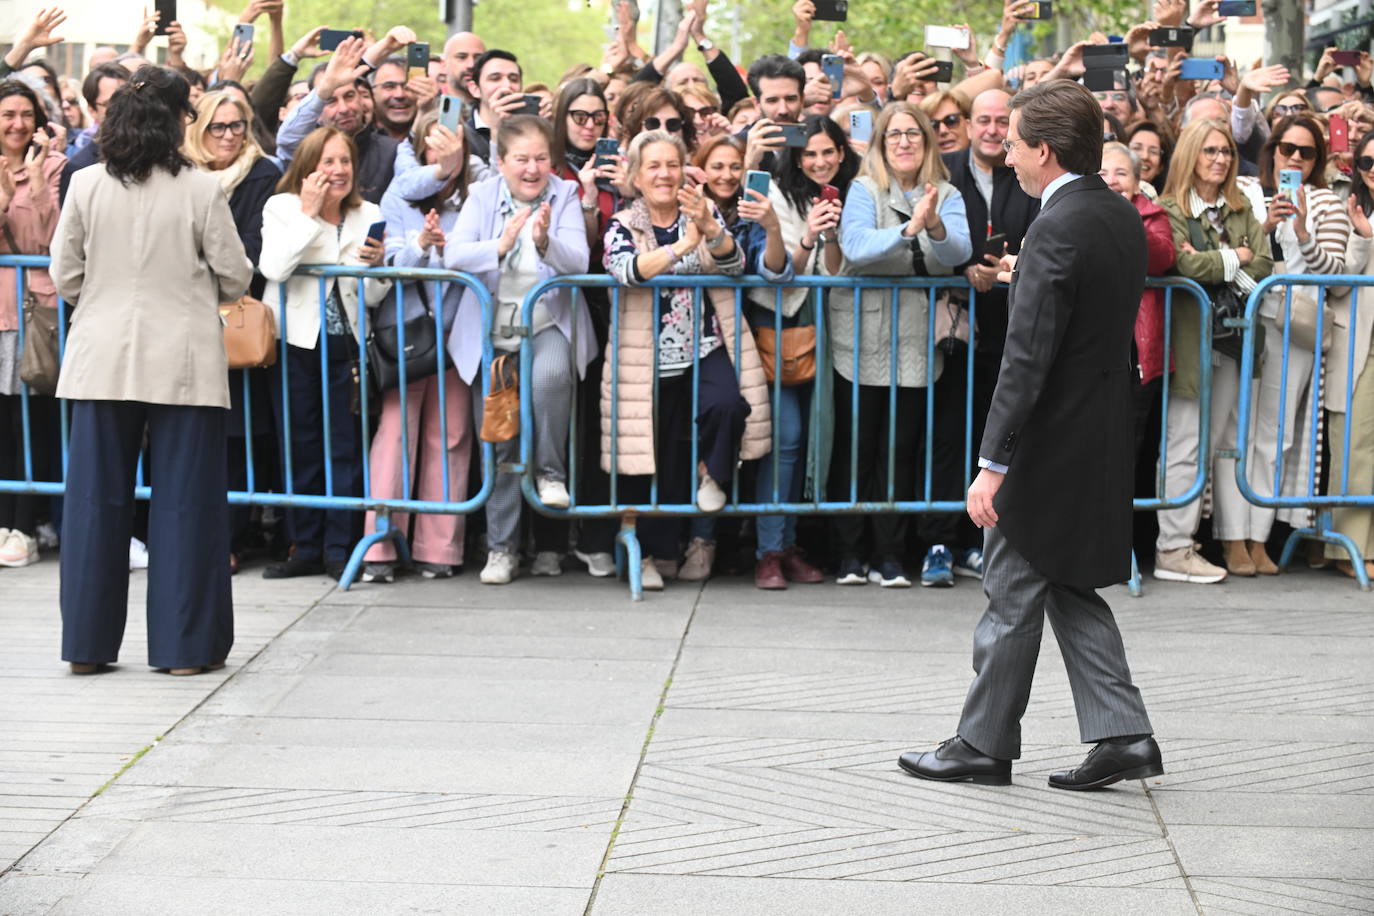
[294, 568]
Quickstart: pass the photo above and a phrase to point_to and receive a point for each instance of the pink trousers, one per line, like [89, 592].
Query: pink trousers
[438, 538]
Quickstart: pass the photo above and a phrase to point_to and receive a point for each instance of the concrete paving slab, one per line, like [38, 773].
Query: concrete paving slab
[1264, 809]
[1286, 852]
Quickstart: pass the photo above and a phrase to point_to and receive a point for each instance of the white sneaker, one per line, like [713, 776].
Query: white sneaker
[500, 569]
[552, 493]
[649, 579]
[1185, 565]
[710, 497]
[599, 564]
[138, 554]
[18, 549]
[47, 536]
[547, 563]
[696, 566]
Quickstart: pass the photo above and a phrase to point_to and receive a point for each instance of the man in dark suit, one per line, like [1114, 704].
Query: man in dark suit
[995, 205]
[1054, 495]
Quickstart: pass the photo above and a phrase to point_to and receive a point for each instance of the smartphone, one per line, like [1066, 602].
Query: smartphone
[831, 11]
[377, 231]
[1236, 8]
[756, 181]
[1042, 10]
[606, 147]
[793, 135]
[1345, 58]
[946, 36]
[944, 71]
[1171, 37]
[832, 65]
[1289, 182]
[1339, 128]
[168, 9]
[1201, 68]
[530, 106]
[243, 34]
[451, 112]
[330, 39]
[1105, 57]
[829, 192]
[417, 59]
[1100, 80]
[995, 245]
[861, 124]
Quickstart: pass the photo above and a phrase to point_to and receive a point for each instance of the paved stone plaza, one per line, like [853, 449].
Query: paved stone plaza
[552, 748]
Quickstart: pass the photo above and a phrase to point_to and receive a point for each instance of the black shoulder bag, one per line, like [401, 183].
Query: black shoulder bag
[1226, 304]
[421, 341]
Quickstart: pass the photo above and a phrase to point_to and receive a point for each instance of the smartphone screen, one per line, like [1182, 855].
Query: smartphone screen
[946, 36]
[861, 125]
[1236, 8]
[451, 112]
[417, 60]
[1340, 133]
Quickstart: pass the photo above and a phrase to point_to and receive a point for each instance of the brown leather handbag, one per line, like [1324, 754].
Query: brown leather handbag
[250, 333]
[798, 353]
[501, 406]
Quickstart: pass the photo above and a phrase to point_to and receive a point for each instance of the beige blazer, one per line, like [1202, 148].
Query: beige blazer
[146, 266]
[1359, 259]
[290, 239]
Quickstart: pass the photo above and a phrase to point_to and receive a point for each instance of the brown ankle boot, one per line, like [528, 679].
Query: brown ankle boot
[1238, 562]
[1263, 565]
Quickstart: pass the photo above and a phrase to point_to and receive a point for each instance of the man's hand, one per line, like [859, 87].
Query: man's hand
[915, 68]
[1259, 81]
[803, 12]
[1364, 70]
[147, 28]
[343, 68]
[841, 47]
[176, 44]
[1205, 15]
[1326, 66]
[969, 55]
[763, 137]
[1138, 40]
[982, 277]
[1071, 65]
[389, 44]
[1170, 12]
[308, 45]
[985, 487]
[423, 90]
[39, 34]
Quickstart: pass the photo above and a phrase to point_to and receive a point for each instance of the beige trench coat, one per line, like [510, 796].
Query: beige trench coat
[146, 266]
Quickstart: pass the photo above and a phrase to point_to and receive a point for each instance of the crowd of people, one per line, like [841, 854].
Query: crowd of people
[896, 169]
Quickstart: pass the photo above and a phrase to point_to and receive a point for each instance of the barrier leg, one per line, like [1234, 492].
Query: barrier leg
[383, 531]
[1324, 533]
[1135, 583]
[627, 542]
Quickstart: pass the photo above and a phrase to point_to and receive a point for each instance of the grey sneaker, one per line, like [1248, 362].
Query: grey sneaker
[1185, 565]
[379, 572]
[434, 570]
[600, 564]
[547, 563]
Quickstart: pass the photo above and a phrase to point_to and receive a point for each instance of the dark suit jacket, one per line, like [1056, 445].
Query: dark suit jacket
[1012, 212]
[86, 156]
[477, 144]
[1061, 415]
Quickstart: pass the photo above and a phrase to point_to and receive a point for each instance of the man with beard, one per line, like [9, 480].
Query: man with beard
[460, 53]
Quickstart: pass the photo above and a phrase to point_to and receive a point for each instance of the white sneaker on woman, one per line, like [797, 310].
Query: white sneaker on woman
[552, 493]
[501, 568]
[18, 549]
[710, 497]
[649, 579]
[138, 554]
[599, 564]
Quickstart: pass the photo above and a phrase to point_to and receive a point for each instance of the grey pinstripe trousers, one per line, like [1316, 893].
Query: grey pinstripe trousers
[1006, 645]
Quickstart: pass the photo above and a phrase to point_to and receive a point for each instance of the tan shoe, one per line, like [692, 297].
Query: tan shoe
[696, 567]
[1263, 565]
[1186, 565]
[649, 579]
[1237, 558]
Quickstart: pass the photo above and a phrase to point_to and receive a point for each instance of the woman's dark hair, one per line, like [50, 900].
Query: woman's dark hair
[632, 120]
[792, 181]
[1362, 195]
[144, 125]
[192, 77]
[49, 74]
[1117, 130]
[1317, 177]
[1166, 147]
[1065, 116]
[12, 87]
[573, 91]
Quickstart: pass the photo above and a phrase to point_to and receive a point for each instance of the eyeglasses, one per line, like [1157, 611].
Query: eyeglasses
[1308, 153]
[705, 111]
[1365, 163]
[217, 128]
[1284, 111]
[580, 118]
[1218, 152]
[950, 120]
[390, 86]
[672, 125]
[911, 135]
[1009, 145]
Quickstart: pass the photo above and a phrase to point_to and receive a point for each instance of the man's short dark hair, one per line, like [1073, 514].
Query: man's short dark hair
[1063, 115]
[775, 66]
[491, 55]
[394, 60]
[811, 56]
[90, 86]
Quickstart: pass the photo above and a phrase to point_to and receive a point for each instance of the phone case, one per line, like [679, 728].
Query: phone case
[861, 126]
[1201, 69]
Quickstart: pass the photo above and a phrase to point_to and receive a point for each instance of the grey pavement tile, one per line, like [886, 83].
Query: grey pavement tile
[329, 854]
[512, 620]
[1286, 852]
[924, 720]
[663, 895]
[31, 895]
[1269, 767]
[527, 645]
[116, 895]
[570, 591]
[1263, 896]
[377, 664]
[1262, 809]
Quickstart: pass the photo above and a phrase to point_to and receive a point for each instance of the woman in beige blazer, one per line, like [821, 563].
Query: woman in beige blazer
[145, 252]
[318, 217]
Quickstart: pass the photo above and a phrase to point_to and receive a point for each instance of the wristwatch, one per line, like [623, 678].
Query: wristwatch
[705, 45]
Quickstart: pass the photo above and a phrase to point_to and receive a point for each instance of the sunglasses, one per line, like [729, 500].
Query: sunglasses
[950, 120]
[705, 111]
[1308, 153]
[672, 125]
[1365, 163]
[580, 118]
[1284, 111]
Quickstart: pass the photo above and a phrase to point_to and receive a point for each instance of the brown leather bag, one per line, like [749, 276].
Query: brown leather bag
[501, 406]
[250, 333]
[798, 353]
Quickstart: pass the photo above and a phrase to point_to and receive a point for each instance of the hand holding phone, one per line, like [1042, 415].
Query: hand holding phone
[947, 36]
[377, 231]
[832, 65]
[1201, 68]
[330, 39]
[451, 112]
[417, 60]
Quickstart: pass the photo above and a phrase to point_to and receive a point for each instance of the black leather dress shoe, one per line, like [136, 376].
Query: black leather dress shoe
[957, 761]
[1108, 763]
[294, 567]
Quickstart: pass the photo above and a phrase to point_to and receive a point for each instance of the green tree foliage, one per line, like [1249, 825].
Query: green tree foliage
[548, 36]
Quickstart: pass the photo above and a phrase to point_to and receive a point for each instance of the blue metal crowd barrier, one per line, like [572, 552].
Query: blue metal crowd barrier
[818, 286]
[1303, 383]
[287, 497]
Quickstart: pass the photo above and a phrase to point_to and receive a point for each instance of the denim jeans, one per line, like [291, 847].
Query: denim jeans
[778, 532]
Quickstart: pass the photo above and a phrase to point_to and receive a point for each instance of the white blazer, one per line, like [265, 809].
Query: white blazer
[290, 239]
